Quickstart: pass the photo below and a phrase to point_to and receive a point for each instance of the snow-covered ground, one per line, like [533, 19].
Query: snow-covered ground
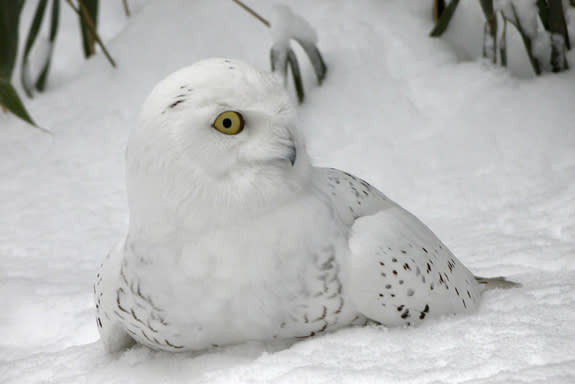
[486, 158]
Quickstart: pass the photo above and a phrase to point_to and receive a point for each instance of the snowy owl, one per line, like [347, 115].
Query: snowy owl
[235, 236]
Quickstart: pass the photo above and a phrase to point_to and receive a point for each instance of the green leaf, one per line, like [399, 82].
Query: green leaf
[489, 30]
[296, 73]
[543, 8]
[54, 22]
[278, 59]
[557, 22]
[90, 27]
[32, 35]
[10, 99]
[316, 59]
[9, 22]
[558, 29]
[281, 58]
[503, 43]
[88, 8]
[444, 19]
[438, 7]
[527, 42]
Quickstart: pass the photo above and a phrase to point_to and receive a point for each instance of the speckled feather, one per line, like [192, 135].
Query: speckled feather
[237, 238]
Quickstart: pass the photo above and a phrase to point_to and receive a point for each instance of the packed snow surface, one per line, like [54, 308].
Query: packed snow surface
[485, 158]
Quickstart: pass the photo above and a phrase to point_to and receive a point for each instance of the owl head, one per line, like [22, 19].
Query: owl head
[218, 136]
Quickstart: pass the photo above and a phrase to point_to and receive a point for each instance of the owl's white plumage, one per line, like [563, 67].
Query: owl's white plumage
[238, 237]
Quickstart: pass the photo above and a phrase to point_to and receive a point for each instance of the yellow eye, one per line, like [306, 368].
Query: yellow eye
[229, 122]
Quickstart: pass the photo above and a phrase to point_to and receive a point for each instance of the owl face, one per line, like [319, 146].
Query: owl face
[218, 133]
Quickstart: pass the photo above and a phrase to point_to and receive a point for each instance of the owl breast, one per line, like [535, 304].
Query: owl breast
[250, 280]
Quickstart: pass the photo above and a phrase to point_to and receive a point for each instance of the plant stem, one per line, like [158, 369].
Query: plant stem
[438, 7]
[526, 41]
[89, 40]
[558, 29]
[93, 31]
[444, 19]
[491, 24]
[126, 9]
[253, 13]
[557, 22]
[503, 43]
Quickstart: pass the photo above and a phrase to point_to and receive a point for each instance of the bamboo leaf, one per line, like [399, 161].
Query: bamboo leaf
[278, 59]
[543, 9]
[444, 19]
[559, 36]
[126, 8]
[503, 44]
[273, 59]
[296, 73]
[92, 29]
[282, 57]
[88, 14]
[54, 22]
[10, 99]
[526, 40]
[9, 23]
[315, 58]
[438, 7]
[557, 22]
[489, 30]
[30, 40]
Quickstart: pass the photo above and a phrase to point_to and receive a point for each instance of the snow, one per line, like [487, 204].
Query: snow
[285, 25]
[485, 158]
[523, 12]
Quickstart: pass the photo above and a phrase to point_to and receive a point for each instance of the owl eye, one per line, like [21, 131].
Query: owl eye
[229, 122]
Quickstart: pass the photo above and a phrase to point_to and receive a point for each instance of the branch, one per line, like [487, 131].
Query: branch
[126, 8]
[253, 13]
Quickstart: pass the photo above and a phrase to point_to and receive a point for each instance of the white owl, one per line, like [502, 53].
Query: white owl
[235, 236]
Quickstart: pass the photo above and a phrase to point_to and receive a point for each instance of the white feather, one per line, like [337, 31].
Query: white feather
[229, 241]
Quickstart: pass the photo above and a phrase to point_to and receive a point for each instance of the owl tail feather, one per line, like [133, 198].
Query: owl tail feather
[496, 283]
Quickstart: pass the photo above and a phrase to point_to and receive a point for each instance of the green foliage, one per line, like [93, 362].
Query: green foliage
[315, 58]
[543, 13]
[489, 30]
[89, 28]
[9, 99]
[516, 21]
[30, 40]
[551, 15]
[9, 22]
[283, 57]
[88, 14]
[10, 13]
[444, 19]
[559, 35]
[54, 22]
[503, 45]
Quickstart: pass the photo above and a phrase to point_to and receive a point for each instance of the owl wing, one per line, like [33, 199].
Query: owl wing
[400, 272]
[351, 196]
[112, 333]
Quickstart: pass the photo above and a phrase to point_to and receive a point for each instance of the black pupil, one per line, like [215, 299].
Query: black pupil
[227, 122]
